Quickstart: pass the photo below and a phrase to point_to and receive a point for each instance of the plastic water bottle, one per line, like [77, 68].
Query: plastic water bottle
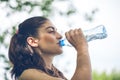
[98, 32]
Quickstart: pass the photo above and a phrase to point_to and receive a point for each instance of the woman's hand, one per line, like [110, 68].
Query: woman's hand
[76, 38]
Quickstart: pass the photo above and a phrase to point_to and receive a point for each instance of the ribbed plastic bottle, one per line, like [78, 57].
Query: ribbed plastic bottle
[95, 33]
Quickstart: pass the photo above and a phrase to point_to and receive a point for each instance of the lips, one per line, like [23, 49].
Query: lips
[58, 43]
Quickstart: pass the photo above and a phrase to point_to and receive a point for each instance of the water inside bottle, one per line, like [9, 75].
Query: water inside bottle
[98, 32]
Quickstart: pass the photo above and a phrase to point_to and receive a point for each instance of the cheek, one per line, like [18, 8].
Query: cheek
[49, 39]
[48, 44]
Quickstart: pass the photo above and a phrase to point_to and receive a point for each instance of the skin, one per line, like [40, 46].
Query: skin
[49, 39]
[83, 67]
[48, 47]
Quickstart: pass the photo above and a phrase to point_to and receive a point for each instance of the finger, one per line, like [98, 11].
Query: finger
[71, 34]
[67, 36]
[81, 34]
[76, 32]
[80, 30]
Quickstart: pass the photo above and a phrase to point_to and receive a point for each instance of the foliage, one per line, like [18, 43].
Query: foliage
[18, 6]
[45, 7]
[27, 6]
[114, 75]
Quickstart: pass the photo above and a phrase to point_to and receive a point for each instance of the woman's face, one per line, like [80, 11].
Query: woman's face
[49, 39]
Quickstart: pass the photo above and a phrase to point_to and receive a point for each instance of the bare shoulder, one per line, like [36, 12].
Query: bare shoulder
[34, 74]
[30, 73]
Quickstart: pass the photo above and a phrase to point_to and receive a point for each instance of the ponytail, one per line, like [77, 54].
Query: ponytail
[21, 56]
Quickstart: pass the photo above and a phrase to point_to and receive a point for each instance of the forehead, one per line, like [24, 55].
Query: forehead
[47, 25]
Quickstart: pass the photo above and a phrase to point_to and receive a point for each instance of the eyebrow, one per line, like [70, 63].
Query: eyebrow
[51, 27]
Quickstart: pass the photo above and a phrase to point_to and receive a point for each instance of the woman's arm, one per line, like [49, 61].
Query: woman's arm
[83, 67]
[34, 74]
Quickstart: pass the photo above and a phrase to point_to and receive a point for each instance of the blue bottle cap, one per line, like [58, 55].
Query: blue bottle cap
[61, 43]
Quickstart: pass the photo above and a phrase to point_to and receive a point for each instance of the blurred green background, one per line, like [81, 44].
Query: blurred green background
[67, 14]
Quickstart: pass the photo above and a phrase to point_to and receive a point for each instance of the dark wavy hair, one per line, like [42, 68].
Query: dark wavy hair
[19, 52]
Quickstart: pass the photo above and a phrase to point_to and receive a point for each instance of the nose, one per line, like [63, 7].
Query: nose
[58, 35]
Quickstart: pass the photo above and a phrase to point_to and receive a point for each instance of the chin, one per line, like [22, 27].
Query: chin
[59, 52]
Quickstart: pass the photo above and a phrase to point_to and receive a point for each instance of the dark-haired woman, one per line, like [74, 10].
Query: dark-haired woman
[34, 46]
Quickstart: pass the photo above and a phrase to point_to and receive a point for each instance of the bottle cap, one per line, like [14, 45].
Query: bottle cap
[61, 43]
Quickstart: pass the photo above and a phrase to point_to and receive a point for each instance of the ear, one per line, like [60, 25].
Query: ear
[32, 41]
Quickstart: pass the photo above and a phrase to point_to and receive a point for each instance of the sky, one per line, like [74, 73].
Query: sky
[105, 53]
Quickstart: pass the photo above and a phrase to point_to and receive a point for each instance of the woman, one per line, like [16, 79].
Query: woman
[34, 46]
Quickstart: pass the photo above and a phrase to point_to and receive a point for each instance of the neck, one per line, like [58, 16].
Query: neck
[48, 60]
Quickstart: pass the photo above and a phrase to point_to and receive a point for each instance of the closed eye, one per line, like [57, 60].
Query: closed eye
[51, 30]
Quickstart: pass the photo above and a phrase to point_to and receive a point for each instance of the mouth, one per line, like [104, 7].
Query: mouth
[58, 43]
